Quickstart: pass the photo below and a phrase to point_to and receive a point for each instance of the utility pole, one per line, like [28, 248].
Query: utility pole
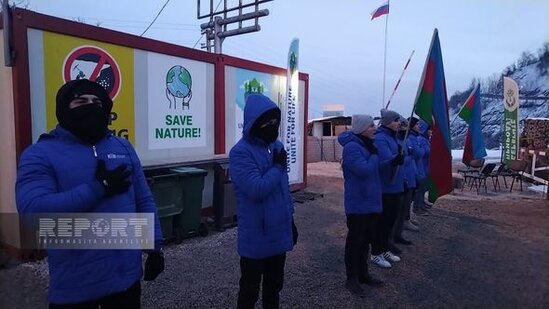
[216, 29]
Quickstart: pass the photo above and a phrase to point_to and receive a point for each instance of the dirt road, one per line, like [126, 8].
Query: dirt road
[485, 251]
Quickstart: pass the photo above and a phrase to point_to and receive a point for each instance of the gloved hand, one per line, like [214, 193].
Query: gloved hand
[295, 234]
[281, 157]
[115, 181]
[154, 265]
[398, 160]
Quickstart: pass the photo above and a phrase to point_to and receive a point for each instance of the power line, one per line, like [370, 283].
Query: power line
[152, 22]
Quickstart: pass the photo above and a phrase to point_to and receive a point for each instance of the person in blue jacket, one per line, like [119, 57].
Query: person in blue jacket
[391, 171]
[80, 167]
[411, 151]
[360, 164]
[424, 138]
[258, 167]
[417, 151]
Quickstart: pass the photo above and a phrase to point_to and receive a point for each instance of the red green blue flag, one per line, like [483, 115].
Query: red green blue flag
[471, 113]
[431, 105]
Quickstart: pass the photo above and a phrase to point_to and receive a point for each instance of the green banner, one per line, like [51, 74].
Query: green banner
[510, 119]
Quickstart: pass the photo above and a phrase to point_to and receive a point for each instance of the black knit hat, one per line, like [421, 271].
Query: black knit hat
[76, 88]
[413, 121]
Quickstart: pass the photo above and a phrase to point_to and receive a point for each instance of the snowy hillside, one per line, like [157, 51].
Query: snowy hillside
[532, 77]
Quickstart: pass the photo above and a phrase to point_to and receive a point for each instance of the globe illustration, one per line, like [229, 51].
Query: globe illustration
[179, 82]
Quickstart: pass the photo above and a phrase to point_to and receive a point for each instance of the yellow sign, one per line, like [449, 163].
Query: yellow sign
[68, 58]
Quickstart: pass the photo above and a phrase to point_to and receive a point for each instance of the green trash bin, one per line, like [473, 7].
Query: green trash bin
[189, 221]
[167, 191]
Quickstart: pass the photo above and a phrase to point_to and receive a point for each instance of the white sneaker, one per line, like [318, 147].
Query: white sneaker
[389, 256]
[380, 261]
[408, 225]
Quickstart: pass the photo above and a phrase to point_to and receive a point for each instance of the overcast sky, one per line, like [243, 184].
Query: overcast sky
[340, 48]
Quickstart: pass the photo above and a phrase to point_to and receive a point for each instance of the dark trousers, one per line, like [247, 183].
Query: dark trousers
[272, 271]
[419, 195]
[391, 204]
[404, 213]
[129, 298]
[362, 229]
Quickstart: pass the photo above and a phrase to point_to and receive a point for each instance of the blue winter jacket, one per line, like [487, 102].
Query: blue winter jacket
[361, 173]
[387, 145]
[57, 175]
[264, 205]
[426, 145]
[410, 169]
[417, 152]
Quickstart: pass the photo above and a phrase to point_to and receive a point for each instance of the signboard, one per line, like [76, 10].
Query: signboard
[68, 58]
[238, 83]
[176, 102]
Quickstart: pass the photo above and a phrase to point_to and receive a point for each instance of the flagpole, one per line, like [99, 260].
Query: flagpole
[399, 79]
[385, 55]
[464, 103]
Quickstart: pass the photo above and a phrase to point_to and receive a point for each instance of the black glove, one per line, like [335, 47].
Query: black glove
[154, 265]
[398, 160]
[399, 148]
[295, 234]
[115, 181]
[281, 157]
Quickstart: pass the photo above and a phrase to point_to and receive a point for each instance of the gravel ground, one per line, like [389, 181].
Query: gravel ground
[489, 250]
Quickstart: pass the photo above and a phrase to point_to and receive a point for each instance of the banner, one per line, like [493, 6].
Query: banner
[291, 112]
[510, 119]
[176, 102]
[67, 58]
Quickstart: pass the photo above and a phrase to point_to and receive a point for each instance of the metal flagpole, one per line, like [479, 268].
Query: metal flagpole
[385, 55]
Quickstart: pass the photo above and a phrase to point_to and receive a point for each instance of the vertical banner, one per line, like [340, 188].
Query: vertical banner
[291, 117]
[510, 120]
[67, 58]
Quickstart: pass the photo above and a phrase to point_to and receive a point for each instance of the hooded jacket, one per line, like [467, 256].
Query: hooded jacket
[425, 143]
[410, 168]
[264, 205]
[57, 175]
[417, 153]
[361, 174]
[387, 145]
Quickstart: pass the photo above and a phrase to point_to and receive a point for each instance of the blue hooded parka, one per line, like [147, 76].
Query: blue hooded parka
[264, 204]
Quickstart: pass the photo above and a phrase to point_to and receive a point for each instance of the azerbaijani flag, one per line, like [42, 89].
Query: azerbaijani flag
[471, 113]
[431, 105]
[382, 10]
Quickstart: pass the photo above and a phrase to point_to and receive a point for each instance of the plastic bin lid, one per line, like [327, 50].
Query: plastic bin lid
[189, 170]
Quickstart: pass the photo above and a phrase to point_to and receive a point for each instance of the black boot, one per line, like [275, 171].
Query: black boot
[371, 281]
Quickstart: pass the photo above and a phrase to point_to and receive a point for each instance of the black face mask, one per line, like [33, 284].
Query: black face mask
[88, 122]
[266, 126]
[268, 133]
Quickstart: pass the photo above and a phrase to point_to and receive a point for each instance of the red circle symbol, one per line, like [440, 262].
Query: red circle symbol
[95, 64]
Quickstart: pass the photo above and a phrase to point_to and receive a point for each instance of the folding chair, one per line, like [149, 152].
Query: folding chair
[480, 179]
[473, 168]
[516, 170]
[495, 177]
